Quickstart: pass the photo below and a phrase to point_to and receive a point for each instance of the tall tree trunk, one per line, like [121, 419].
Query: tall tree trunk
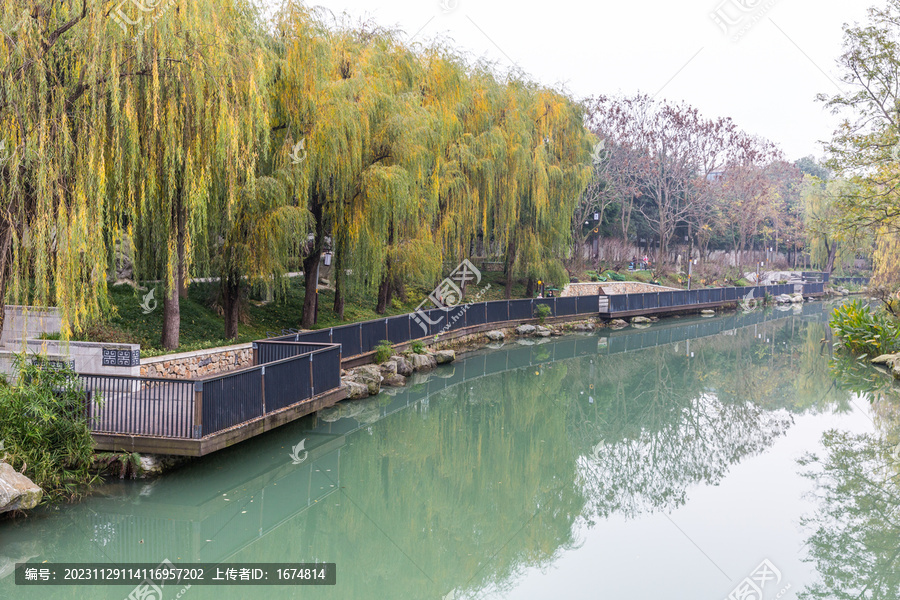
[231, 299]
[384, 289]
[171, 333]
[182, 267]
[311, 291]
[832, 255]
[510, 261]
[384, 292]
[311, 267]
[171, 316]
[529, 288]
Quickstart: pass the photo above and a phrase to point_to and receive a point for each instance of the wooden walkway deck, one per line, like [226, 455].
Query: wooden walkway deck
[150, 441]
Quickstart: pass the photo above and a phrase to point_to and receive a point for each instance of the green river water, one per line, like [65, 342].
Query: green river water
[679, 461]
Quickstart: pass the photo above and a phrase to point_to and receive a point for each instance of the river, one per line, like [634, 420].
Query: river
[686, 460]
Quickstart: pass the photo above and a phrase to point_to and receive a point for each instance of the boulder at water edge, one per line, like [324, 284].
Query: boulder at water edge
[525, 329]
[17, 492]
[422, 362]
[495, 335]
[444, 356]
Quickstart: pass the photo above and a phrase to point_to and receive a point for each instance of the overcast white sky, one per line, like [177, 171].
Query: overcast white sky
[766, 80]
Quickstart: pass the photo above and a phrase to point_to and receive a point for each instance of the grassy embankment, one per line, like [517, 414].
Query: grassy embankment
[203, 327]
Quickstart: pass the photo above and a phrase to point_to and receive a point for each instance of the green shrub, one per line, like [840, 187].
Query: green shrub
[615, 276]
[542, 311]
[44, 428]
[383, 351]
[417, 347]
[864, 331]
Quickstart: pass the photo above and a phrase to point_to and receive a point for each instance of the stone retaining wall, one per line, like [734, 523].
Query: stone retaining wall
[611, 288]
[199, 363]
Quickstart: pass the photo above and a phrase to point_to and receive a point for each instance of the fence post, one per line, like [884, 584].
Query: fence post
[312, 383]
[508, 318]
[197, 433]
[262, 385]
[255, 354]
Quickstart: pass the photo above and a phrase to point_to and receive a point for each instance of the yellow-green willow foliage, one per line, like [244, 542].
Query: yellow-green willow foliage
[545, 170]
[118, 122]
[450, 93]
[321, 99]
[390, 228]
[190, 125]
[54, 120]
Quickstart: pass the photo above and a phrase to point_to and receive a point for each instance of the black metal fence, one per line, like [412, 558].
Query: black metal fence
[851, 280]
[286, 373]
[267, 351]
[140, 405]
[816, 276]
[361, 338]
[295, 367]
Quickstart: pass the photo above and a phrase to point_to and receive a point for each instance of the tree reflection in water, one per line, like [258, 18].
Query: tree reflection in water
[467, 488]
[854, 535]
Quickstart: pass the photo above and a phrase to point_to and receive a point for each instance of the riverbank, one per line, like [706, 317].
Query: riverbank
[426, 353]
[484, 442]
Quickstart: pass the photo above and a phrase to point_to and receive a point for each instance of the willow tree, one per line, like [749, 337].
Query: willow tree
[258, 229]
[544, 169]
[348, 94]
[190, 122]
[56, 67]
[391, 207]
[461, 100]
[321, 98]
